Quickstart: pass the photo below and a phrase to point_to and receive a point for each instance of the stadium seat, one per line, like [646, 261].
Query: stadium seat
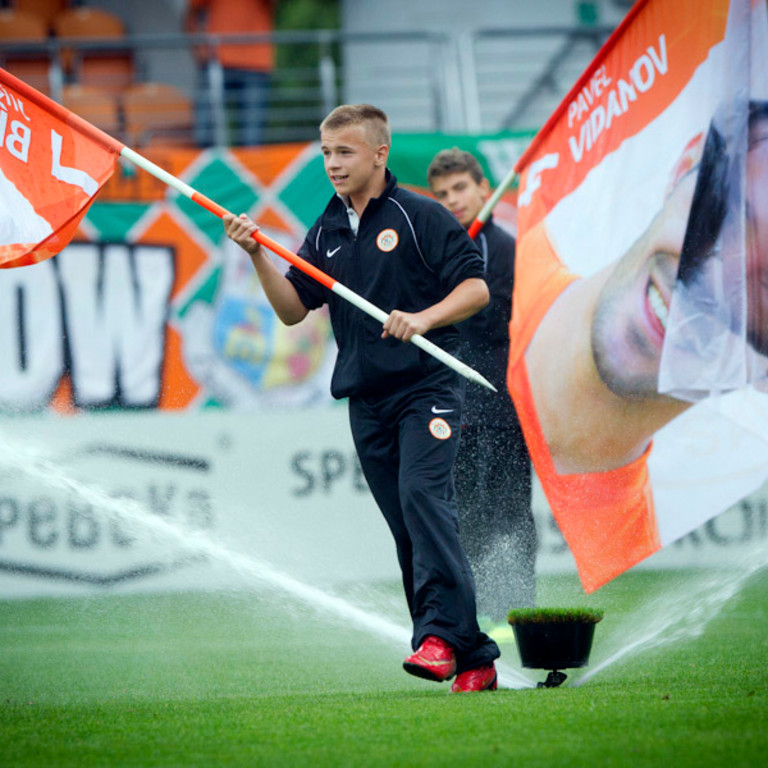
[108, 68]
[98, 106]
[43, 10]
[33, 67]
[157, 113]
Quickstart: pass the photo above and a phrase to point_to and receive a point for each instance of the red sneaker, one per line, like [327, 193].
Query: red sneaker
[433, 660]
[478, 679]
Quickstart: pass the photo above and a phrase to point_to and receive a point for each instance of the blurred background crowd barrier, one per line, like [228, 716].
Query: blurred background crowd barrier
[173, 85]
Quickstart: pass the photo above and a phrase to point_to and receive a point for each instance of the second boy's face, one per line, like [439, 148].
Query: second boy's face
[351, 161]
[461, 195]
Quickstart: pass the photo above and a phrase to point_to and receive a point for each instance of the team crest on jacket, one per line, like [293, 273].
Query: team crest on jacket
[440, 429]
[387, 240]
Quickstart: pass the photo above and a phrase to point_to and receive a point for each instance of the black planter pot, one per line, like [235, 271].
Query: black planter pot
[554, 645]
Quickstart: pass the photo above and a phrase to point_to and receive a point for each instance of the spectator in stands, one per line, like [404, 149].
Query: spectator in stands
[246, 67]
[493, 469]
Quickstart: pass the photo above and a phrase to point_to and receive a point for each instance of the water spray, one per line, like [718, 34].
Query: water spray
[198, 545]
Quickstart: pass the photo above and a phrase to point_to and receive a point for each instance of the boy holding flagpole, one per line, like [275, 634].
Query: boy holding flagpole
[406, 252]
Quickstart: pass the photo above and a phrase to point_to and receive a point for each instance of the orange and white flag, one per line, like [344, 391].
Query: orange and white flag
[52, 165]
[639, 335]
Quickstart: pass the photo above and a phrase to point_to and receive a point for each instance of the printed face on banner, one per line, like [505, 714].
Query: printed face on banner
[670, 227]
[704, 243]
[632, 309]
[641, 284]
[718, 297]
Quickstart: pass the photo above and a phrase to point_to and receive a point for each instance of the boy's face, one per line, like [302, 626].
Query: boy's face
[351, 161]
[461, 195]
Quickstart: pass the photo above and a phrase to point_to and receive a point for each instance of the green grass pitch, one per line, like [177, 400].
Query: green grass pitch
[677, 677]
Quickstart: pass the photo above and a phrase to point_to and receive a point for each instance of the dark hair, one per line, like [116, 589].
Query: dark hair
[758, 110]
[710, 202]
[710, 197]
[454, 160]
[373, 118]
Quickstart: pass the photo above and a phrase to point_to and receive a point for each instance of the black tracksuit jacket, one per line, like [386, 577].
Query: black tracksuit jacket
[432, 255]
[409, 254]
[485, 335]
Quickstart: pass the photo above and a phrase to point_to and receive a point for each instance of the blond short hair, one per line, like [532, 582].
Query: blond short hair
[374, 120]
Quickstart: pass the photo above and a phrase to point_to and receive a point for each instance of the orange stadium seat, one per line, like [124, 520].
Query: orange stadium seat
[32, 67]
[98, 106]
[157, 113]
[44, 10]
[109, 68]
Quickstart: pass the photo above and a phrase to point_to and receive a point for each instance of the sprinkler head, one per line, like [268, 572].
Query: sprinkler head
[554, 678]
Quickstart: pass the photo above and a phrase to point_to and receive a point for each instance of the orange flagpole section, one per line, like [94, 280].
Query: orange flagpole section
[259, 236]
[490, 204]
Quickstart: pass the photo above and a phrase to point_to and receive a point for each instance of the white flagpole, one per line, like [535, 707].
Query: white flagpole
[325, 279]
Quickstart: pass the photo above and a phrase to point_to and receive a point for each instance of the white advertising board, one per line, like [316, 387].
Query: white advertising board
[142, 501]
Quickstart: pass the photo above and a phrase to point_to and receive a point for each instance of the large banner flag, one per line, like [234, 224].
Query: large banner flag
[639, 353]
[52, 165]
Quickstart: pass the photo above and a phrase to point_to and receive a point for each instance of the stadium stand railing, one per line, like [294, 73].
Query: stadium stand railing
[109, 67]
[481, 82]
[23, 50]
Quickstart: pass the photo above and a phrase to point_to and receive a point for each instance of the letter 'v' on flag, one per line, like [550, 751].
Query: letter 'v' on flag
[52, 165]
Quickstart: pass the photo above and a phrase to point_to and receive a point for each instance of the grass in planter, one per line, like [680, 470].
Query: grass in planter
[555, 616]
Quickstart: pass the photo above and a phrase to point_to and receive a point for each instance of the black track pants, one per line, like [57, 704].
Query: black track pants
[407, 445]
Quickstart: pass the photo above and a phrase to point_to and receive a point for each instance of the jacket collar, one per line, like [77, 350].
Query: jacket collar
[337, 207]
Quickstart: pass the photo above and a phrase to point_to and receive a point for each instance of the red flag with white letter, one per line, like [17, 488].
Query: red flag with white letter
[52, 165]
[639, 337]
